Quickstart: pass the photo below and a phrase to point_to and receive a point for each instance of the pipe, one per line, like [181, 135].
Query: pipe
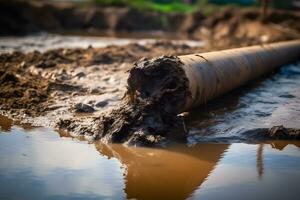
[159, 89]
[215, 73]
[177, 84]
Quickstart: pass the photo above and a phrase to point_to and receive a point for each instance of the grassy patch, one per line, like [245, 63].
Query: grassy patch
[172, 6]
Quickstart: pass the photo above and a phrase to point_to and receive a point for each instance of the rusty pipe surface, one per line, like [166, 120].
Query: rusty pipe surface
[159, 89]
[215, 73]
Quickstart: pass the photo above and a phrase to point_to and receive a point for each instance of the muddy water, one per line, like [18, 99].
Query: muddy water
[40, 163]
[45, 41]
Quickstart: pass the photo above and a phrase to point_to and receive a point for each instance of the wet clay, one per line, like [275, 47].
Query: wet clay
[275, 133]
[157, 89]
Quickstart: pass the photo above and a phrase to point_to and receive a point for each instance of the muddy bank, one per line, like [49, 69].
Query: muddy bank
[71, 89]
[230, 27]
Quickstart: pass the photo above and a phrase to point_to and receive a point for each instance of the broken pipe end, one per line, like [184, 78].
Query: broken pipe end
[160, 83]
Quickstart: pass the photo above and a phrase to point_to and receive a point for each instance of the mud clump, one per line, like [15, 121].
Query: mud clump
[273, 133]
[83, 108]
[157, 89]
[280, 132]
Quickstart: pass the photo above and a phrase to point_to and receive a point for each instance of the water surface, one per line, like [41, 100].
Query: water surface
[40, 163]
[272, 100]
[45, 41]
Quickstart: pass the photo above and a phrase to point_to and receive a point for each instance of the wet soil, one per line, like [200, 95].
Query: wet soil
[148, 112]
[72, 89]
[87, 92]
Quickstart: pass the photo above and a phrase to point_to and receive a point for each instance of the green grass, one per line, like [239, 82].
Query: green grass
[173, 6]
[169, 6]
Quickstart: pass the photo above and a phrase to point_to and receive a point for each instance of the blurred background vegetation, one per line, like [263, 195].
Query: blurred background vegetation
[185, 6]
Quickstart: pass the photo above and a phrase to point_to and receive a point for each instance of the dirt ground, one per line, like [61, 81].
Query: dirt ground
[71, 89]
[62, 85]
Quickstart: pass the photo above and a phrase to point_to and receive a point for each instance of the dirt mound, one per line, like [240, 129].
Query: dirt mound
[229, 27]
[21, 17]
[233, 27]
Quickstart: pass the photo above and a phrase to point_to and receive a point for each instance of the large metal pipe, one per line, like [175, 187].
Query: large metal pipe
[176, 84]
[161, 88]
[215, 73]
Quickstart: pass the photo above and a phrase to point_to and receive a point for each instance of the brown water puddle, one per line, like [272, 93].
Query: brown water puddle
[39, 163]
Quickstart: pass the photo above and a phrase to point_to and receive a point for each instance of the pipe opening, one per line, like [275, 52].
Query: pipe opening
[160, 83]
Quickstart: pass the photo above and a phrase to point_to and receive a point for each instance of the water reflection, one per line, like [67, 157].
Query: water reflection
[237, 174]
[40, 164]
[260, 160]
[172, 173]
[5, 123]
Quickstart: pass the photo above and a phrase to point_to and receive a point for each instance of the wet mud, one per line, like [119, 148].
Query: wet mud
[147, 114]
[156, 91]
[83, 91]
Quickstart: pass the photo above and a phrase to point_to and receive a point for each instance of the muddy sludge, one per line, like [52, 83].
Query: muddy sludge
[156, 92]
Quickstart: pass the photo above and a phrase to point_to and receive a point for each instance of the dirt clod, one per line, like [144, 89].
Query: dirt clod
[84, 108]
